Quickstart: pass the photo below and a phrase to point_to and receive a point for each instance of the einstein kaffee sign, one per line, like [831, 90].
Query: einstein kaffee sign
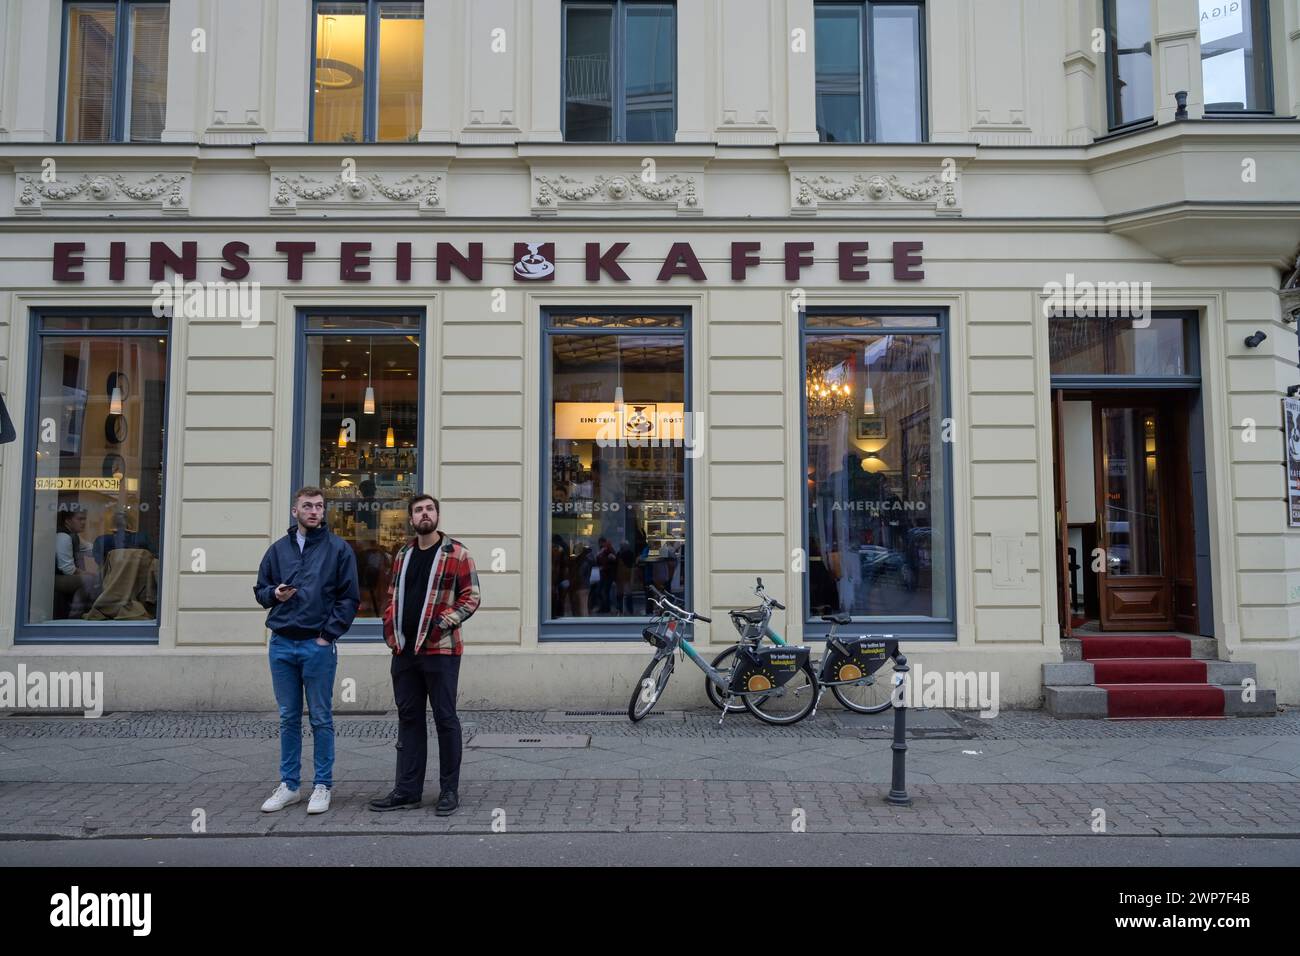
[364, 261]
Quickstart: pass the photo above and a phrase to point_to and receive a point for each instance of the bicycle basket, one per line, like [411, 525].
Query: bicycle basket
[765, 668]
[656, 633]
[865, 655]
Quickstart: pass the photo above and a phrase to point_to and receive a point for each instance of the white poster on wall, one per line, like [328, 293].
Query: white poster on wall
[1291, 429]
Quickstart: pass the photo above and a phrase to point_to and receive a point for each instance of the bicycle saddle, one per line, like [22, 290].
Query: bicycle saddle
[838, 618]
[754, 615]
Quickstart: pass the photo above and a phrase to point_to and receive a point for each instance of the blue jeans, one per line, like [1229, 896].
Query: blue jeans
[298, 666]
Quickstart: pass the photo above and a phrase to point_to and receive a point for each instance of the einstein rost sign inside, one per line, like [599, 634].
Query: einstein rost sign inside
[532, 261]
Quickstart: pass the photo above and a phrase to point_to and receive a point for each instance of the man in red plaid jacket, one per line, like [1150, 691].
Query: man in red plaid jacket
[433, 590]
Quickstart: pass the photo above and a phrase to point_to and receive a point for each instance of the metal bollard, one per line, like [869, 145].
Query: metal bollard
[898, 785]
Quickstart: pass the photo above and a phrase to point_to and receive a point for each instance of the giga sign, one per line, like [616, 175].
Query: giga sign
[531, 261]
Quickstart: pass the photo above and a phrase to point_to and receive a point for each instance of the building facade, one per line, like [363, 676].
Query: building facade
[940, 314]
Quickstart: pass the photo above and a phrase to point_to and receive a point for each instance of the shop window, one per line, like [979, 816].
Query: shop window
[1163, 347]
[1128, 61]
[93, 522]
[870, 68]
[878, 469]
[368, 76]
[1235, 63]
[620, 72]
[614, 491]
[115, 71]
[360, 437]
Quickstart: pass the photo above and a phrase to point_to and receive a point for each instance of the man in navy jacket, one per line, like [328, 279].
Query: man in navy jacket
[308, 582]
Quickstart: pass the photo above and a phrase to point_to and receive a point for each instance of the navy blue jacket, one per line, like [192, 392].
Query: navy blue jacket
[325, 574]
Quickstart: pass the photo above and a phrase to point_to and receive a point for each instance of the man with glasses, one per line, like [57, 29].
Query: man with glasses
[308, 582]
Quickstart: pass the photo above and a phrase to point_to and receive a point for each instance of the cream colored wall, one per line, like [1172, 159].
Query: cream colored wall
[1166, 206]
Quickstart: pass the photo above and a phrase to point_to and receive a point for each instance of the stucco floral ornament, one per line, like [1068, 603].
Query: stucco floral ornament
[373, 188]
[163, 188]
[864, 189]
[551, 190]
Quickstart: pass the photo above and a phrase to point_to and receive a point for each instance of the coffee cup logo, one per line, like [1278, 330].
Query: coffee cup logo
[534, 265]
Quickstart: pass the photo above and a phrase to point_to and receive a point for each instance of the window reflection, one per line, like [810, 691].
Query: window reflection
[361, 442]
[97, 502]
[617, 509]
[1128, 26]
[1235, 61]
[877, 512]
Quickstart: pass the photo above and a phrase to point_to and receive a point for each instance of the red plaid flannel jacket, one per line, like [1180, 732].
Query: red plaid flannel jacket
[454, 593]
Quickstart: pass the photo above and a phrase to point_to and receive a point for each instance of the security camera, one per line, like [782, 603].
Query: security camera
[1253, 341]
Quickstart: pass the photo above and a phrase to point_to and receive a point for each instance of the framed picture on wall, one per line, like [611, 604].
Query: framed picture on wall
[871, 426]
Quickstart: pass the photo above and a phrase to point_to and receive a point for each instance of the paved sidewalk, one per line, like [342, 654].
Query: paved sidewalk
[164, 774]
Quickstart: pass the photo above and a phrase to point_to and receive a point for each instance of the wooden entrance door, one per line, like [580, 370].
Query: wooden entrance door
[1134, 461]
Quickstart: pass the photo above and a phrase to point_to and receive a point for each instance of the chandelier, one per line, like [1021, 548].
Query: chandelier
[826, 396]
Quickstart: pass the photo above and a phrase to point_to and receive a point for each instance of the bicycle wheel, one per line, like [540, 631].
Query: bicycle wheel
[790, 707]
[871, 695]
[723, 663]
[647, 690]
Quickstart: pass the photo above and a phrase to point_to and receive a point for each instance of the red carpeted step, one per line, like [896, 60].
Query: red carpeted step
[1095, 648]
[1163, 700]
[1149, 670]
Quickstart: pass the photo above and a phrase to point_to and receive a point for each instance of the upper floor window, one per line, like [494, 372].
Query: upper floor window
[1235, 64]
[620, 72]
[1128, 62]
[870, 64]
[368, 72]
[115, 71]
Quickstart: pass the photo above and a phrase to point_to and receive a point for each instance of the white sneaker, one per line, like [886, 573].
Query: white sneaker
[282, 797]
[320, 799]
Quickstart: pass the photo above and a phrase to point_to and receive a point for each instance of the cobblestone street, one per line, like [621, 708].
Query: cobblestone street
[162, 774]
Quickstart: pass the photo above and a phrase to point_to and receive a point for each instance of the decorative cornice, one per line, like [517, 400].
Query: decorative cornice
[166, 191]
[413, 191]
[865, 190]
[616, 191]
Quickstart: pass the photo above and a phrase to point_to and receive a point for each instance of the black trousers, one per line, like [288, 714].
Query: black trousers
[415, 679]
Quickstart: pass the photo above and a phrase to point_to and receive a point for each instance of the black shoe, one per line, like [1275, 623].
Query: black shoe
[394, 801]
[447, 803]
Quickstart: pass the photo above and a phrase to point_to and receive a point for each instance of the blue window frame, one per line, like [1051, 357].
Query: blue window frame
[877, 501]
[870, 71]
[615, 480]
[94, 477]
[113, 79]
[367, 71]
[620, 71]
[359, 436]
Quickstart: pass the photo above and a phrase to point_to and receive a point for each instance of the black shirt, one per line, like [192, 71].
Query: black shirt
[419, 564]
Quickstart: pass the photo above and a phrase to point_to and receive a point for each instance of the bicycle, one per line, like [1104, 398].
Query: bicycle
[766, 681]
[847, 668]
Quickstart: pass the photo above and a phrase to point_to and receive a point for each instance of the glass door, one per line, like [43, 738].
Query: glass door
[1134, 528]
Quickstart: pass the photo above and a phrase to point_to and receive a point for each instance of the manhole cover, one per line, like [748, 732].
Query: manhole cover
[512, 741]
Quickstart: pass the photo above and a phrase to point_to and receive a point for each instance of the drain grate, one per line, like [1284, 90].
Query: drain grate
[513, 741]
[594, 716]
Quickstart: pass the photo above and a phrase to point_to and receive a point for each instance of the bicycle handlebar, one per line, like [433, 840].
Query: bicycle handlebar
[767, 599]
[665, 604]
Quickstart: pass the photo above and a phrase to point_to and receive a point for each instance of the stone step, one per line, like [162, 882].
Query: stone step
[1081, 673]
[1075, 701]
[1202, 648]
